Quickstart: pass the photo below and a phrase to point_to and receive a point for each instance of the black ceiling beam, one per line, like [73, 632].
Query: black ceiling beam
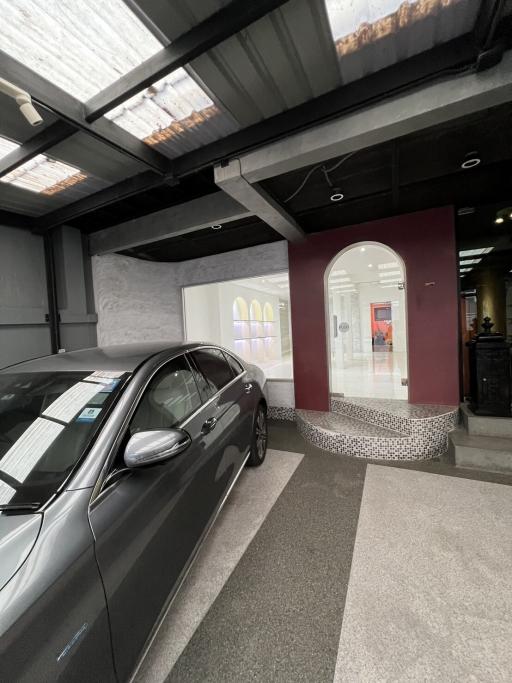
[72, 112]
[228, 21]
[38, 144]
[98, 200]
[341, 101]
[489, 16]
[17, 220]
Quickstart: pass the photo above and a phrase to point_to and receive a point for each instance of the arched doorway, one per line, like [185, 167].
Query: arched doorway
[366, 323]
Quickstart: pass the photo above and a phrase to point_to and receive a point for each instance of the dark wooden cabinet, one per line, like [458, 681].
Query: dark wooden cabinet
[490, 375]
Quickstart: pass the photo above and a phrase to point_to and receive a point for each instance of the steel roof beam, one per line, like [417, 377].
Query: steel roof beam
[176, 220]
[38, 144]
[72, 112]
[228, 21]
[230, 179]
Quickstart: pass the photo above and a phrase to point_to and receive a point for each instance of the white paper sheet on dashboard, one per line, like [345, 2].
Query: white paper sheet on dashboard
[72, 401]
[26, 452]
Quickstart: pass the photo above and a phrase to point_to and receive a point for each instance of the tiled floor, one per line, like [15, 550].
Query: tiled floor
[427, 589]
[371, 374]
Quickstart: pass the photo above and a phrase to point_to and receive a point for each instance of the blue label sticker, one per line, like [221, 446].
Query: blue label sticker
[88, 415]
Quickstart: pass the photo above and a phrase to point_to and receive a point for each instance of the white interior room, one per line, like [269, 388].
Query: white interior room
[367, 324]
[249, 316]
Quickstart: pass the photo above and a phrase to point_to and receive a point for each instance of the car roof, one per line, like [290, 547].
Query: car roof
[122, 357]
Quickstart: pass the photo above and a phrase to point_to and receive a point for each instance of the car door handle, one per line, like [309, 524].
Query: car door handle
[248, 388]
[209, 425]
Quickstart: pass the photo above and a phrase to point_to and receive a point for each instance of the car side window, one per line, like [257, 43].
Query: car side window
[170, 398]
[214, 367]
[235, 365]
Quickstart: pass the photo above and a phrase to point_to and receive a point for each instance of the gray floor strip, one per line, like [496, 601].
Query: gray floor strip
[278, 617]
[430, 592]
[246, 508]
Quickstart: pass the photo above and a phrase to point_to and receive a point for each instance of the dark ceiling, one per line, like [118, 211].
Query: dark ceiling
[247, 232]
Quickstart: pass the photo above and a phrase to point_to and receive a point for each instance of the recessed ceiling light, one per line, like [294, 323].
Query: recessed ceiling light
[363, 248]
[370, 265]
[469, 261]
[336, 195]
[499, 220]
[217, 226]
[471, 160]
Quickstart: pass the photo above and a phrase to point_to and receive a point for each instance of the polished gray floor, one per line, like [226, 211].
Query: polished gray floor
[266, 600]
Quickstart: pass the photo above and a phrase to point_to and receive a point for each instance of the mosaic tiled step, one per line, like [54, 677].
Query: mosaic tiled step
[404, 417]
[350, 436]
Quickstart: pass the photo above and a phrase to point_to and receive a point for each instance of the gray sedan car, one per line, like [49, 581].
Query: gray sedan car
[114, 463]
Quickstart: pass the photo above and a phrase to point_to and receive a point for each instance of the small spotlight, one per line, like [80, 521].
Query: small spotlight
[370, 265]
[217, 226]
[337, 194]
[471, 160]
[499, 220]
[363, 248]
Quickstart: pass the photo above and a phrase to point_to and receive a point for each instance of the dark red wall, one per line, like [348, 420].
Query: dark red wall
[426, 242]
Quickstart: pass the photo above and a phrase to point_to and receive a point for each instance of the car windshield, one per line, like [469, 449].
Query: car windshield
[47, 421]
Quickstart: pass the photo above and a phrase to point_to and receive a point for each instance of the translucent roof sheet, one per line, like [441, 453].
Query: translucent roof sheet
[357, 23]
[42, 174]
[6, 146]
[171, 107]
[82, 46]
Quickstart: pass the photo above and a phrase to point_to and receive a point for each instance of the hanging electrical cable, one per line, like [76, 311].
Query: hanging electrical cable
[326, 171]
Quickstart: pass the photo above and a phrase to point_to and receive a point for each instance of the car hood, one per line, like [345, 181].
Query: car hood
[18, 534]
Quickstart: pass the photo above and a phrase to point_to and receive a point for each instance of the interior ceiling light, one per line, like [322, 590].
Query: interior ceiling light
[475, 252]
[81, 46]
[387, 266]
[471, 160]
[465, 270]
[218, 226]
[44, 175]
[465, 211]
[503, 214]
[363, 248]
[469, 261]
[337, 194]
[370, 265]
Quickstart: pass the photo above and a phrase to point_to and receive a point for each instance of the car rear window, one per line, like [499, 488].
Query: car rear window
[214, 367]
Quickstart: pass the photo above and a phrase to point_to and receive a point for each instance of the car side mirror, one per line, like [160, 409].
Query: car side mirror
[155, 446]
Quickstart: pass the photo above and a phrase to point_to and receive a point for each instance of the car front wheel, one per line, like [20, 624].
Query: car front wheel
[259, 438]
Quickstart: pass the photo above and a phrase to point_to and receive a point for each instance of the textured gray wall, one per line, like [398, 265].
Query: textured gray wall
[142, 300]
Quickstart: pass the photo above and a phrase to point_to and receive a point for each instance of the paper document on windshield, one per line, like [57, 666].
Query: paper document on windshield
[72, 401]
[26, 452]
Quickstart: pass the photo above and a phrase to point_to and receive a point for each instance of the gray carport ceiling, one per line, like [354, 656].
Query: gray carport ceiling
[280, 61]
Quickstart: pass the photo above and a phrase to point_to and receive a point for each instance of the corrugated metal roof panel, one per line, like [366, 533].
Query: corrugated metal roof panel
[96, 158]
[175, 17]
[373, 34]
[82, 46]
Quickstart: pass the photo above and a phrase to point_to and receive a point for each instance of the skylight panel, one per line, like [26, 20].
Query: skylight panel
[169, 107]
[475, 252]
[6, 147]
[44, 175]
[83, 46]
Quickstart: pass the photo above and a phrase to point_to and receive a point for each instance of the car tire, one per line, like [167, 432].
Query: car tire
[259, 438]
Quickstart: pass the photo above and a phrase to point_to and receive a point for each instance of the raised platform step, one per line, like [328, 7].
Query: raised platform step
[478, 425]
[399, 415]
[348, 435]
[490, 453]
